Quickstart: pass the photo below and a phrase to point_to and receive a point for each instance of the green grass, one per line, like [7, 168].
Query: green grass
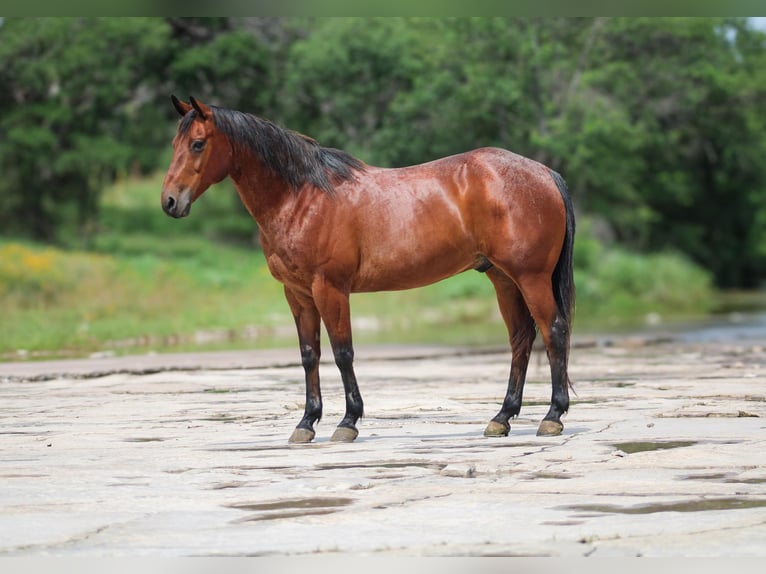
[86, 301]
[144, 282]
[615, 286]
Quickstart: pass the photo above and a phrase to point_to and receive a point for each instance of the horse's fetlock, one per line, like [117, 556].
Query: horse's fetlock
[313, 409]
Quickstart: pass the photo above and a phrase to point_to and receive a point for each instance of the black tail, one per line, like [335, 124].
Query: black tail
[563, 274]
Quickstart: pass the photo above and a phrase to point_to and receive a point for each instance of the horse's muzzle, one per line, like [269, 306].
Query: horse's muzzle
[177, 206]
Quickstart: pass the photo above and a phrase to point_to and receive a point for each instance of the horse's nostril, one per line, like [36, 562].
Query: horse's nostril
[170, 203]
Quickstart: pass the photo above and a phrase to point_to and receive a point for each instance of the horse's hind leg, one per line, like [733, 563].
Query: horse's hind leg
[521, 333]
[538, 294]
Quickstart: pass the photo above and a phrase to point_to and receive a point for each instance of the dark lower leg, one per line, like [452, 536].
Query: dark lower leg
[308, 324]
[521, 332]
[344, 358]
[333, 305]
[512, 402]
[313, 410]
[499, 425]
[558, 348]
[538, 294]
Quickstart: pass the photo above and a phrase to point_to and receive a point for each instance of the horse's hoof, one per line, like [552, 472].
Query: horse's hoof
[495, 428]
[301, 435]
[550, 428]
[344, 434]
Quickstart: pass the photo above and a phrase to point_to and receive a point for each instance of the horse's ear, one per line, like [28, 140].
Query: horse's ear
[181, 107]
[202, 109]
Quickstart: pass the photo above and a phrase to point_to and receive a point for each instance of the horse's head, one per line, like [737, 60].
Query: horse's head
[201, 157]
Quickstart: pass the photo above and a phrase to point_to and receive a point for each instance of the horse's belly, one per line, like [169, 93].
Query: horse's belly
[397, 271]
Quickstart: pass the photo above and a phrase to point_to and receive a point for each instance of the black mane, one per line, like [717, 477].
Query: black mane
[296, 158]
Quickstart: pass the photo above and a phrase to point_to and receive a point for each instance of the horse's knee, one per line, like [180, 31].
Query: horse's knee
[309, 358]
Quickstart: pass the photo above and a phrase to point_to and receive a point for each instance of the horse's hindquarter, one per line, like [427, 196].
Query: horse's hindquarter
[524, 223]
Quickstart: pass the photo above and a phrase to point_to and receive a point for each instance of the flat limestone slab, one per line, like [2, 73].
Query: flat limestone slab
[663, 454]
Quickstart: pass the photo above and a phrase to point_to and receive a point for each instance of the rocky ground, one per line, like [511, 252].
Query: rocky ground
[663, 454]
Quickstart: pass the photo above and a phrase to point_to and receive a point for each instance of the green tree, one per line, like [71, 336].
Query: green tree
[232, 62]
[70, 119]
[402, 90]
[341, 79]
[671, 106]
[656, 123]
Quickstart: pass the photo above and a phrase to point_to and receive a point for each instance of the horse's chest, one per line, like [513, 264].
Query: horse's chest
[278, 268]
[286, 271]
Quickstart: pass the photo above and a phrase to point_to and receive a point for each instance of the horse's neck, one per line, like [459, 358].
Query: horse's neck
[264, 194]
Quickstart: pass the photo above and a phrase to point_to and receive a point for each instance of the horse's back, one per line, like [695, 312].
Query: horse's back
[491, 171]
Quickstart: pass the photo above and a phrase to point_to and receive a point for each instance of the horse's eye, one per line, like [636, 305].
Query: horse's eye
[198, 145]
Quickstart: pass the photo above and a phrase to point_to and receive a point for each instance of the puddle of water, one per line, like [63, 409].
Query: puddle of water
[24, 475]
[685, 506]
[226, 485]
[553, 475]
[143, 439]
[255, 448]
[389, 465]
[734, 327]
[314, 502]
[395, 417]
[711, 415]
[715, 476]
[634, 447]
[293, 508]
[224, 418]
[388, 476]
[563, 522]
[725, 477]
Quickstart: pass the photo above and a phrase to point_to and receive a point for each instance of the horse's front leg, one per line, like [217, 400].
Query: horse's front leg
[308, 324]
[334, 308]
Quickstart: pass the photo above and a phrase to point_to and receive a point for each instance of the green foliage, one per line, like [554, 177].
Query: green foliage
[655, 123]
[683, 94]
[68, 113]
[31, 278]
[57, 300]
[341, 80]
[615, 285]
[131, 221]
[209, 70]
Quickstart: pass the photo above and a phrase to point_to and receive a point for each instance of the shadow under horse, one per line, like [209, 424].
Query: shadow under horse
[331, 225]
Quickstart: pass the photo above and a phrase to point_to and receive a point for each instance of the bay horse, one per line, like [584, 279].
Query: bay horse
[331, 225]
